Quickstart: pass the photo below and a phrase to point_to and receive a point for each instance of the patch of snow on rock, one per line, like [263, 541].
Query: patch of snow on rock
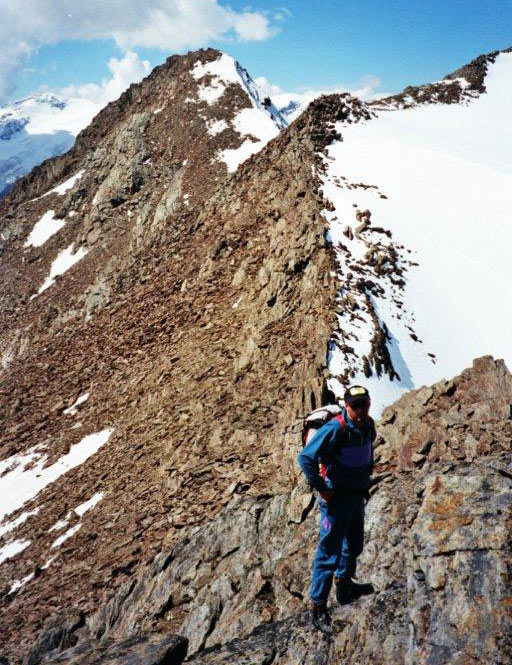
[9, 526]
[67, 184]
[67, 534]
[257, 124]
[259, 129]
[44, 229]
[16, 586]
[20, 484]
[64, 261]
[217, 126]
[222, 72]
[48, 563]
[61, 524]
[80, 510]
[72, 410]
[87, 505]
[12, 548]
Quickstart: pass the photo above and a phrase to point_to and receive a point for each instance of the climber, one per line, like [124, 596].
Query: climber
[343, 445]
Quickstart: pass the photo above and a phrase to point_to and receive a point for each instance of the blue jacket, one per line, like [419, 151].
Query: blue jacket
[346, 452]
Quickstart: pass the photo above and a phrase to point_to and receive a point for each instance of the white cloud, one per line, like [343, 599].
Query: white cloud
[170, 25]
[293, 103]
[366, 88]
[127, 70]
[253, 27]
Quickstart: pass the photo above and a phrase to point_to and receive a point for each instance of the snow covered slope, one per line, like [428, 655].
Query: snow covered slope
[36, 128]
[257, 124]
[420, 214]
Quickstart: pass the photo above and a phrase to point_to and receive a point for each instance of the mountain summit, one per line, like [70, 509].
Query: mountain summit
[179, 290]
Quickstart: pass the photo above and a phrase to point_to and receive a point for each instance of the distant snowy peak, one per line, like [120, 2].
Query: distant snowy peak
[15, 117]
[290, 107]
[21, 112]
[256, 123]
[37, 127]
[216, 75]
[44, 99]
[49, 113]
[463, 85]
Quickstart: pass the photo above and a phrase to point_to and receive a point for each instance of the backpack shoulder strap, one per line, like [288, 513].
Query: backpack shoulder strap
[372, 429]
[341, 420]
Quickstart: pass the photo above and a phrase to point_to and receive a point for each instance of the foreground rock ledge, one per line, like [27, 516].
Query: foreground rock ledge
[437, 549]
[137, 650]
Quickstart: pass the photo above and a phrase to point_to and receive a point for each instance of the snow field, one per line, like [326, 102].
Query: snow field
[447, 173]
[64, 261]
[44, 229]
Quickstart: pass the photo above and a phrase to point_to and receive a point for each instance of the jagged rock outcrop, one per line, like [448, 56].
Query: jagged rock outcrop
[207, 345]
[193, 332]
[437, 550]
[142, 649]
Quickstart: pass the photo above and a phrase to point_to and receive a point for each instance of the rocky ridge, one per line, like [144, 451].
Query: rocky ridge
[216, 300]
[437, 550]
[462, 85]
[204, 346]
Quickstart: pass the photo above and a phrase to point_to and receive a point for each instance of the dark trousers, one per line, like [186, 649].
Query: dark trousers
[341, 541]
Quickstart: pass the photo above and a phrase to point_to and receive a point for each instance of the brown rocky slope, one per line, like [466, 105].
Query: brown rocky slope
[200, 331]
[437, 550]
[209, 343]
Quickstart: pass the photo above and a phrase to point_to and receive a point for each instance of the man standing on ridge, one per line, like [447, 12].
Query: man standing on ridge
[343, 446]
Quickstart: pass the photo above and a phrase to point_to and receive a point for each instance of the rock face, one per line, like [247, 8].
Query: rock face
[437, 550]
[139, 650]
[194, 331]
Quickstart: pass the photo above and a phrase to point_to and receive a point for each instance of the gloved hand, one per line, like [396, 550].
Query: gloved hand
[327, 495]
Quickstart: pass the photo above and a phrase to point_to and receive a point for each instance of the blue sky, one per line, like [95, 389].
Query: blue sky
[303, 45]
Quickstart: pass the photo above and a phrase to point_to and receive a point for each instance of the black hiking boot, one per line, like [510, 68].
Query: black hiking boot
[321, 619]
[358, 590]
[343, 587]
